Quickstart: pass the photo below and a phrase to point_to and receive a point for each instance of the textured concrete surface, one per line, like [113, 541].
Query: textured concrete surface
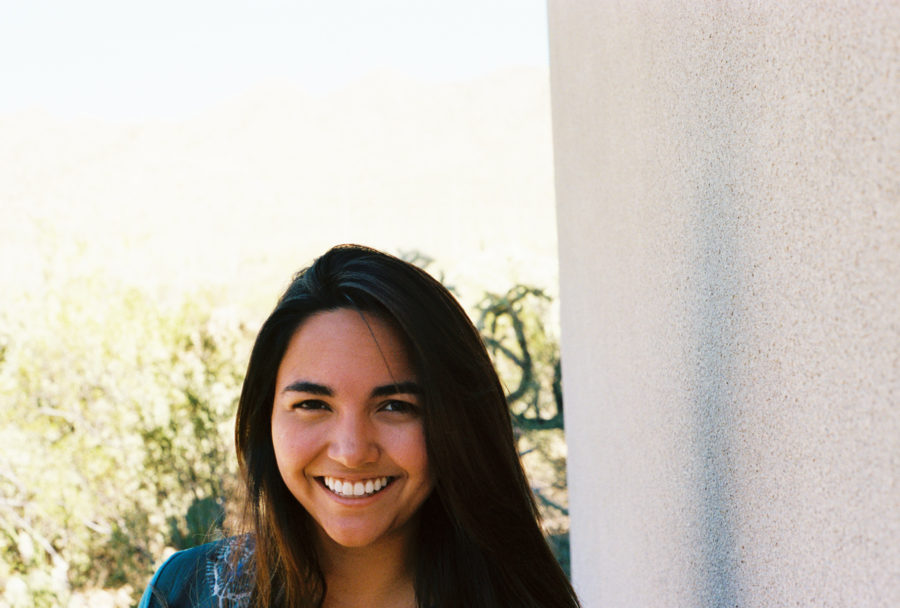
[728, 191]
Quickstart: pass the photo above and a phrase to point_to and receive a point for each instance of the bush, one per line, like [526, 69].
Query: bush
[116, 425]
[526, 356]
[116, 417]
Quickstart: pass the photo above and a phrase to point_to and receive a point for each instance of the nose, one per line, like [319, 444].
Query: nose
[353, 443]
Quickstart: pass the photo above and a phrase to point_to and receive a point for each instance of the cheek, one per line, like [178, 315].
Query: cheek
[289, 445]
[279, 439]
[410, 448]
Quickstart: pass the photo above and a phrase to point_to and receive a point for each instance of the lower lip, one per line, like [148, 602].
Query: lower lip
[355, 501]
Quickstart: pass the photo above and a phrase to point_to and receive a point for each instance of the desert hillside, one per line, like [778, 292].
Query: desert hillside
[242, 194]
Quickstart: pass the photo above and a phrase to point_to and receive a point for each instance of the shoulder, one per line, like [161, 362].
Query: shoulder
[202, 576]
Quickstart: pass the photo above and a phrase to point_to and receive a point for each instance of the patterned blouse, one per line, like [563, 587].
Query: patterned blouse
[214, 575]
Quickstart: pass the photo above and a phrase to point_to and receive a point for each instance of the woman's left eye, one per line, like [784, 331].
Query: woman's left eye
[399, 406]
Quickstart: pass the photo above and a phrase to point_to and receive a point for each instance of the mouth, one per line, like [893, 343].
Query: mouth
[355, 489]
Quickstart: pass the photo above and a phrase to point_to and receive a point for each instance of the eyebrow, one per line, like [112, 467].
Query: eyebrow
[308, 387]
[396, 389]
[385, 390]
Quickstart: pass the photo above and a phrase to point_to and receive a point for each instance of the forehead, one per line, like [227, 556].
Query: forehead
[346, 343]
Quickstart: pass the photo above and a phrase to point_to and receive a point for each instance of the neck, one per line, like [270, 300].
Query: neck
[378, 576]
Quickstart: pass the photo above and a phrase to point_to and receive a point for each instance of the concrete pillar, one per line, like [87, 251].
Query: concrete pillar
[728, 191]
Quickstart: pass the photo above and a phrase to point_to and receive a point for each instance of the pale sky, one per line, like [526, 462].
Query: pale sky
[135, 60]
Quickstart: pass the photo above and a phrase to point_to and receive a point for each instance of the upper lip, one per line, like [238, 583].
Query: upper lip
[355, 478]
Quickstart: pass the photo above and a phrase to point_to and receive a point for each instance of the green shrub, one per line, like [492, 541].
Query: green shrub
[116, 414]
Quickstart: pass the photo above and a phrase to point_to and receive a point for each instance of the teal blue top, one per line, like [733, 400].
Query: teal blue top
[214, 575]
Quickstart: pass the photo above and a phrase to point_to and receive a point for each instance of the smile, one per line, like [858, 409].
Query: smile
[355, 489]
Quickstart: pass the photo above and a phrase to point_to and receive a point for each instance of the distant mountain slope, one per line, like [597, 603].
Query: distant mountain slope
[246, 192]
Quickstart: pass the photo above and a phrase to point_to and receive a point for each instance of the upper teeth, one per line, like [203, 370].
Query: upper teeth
[355, 488]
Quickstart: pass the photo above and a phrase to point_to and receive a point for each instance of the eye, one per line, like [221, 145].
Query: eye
[310, 405]
[400, 407]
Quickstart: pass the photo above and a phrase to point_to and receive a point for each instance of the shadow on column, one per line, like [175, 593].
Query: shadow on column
[717, 331]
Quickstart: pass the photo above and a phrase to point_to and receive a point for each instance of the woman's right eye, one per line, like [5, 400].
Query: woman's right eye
[310, 404]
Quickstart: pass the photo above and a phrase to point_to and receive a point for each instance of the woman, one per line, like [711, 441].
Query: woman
[378, 459]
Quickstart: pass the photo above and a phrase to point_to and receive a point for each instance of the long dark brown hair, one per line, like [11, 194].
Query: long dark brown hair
[479, 540]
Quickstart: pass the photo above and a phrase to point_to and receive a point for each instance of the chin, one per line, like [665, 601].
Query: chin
[353, 539]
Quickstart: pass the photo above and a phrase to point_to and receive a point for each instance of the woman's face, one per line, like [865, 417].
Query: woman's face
[347, 428]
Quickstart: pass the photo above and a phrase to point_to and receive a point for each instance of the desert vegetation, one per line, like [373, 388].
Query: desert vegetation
[116, 413]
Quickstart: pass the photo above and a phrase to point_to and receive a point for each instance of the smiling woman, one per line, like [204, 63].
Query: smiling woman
[356, 426]
[378, 459]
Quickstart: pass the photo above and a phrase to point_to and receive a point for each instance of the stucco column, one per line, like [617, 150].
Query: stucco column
[728, 191]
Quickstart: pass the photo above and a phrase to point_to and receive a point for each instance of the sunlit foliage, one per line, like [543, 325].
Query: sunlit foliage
[116, 421]
[526, 354]
[115, 424]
